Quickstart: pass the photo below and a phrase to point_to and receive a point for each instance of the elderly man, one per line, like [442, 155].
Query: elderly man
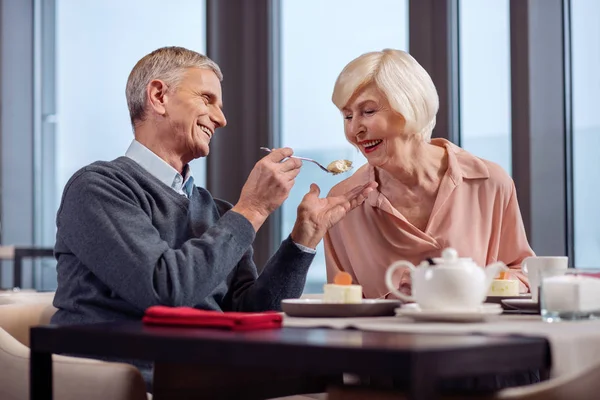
[135, 232]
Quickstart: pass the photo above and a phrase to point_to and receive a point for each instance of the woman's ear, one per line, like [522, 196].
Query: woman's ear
[157, 99]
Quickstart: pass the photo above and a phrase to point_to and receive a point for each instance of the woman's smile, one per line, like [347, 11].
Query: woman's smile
[370, 145]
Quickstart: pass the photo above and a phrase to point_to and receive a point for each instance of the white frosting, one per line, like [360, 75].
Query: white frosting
[342, 293]
[504, 287]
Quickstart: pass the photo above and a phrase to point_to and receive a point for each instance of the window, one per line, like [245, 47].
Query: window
[318, 38]
[484, 51]
[97, 43]
[585, 53]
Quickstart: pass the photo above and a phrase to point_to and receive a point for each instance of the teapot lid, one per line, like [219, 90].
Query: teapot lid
[450, 256]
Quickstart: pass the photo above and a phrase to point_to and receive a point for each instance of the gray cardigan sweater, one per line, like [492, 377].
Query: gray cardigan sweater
[125, 242]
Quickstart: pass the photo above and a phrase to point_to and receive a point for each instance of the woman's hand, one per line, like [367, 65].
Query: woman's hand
[317, 215]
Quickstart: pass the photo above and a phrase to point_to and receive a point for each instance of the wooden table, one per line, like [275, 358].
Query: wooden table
[419, 359]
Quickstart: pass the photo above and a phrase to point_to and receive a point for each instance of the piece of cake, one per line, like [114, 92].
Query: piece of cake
[339, 166]
[342, 290]
[504, 286]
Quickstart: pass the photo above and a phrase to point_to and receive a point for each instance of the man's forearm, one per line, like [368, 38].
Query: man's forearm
[283, 277]
[256, 218]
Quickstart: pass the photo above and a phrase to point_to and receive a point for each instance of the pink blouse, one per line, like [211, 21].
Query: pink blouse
[476, 212]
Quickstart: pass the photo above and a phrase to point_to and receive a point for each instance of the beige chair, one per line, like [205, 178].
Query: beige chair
[73, 378]
[25, 296]
[582, 386]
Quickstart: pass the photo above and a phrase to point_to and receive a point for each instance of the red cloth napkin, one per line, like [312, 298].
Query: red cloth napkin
[187, 316]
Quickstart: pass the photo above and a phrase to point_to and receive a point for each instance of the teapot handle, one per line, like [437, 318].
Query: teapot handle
[524, 265]
[388, 279]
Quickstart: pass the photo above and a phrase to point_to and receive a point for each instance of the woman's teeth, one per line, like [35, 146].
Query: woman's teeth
[372, 143]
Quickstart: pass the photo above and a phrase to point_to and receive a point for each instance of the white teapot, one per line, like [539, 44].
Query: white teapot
[451, 283]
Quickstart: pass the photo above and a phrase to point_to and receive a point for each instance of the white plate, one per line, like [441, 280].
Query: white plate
[483, 312]
[316, 308]
[498, 299]
[521, 304]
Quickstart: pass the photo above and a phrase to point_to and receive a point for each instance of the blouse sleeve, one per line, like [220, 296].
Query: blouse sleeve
[514, 247]
[331, 260]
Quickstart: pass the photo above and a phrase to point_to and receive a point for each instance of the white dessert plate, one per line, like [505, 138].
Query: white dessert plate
[481, 313]
[521, 304]
[316, 308]
[498, 299]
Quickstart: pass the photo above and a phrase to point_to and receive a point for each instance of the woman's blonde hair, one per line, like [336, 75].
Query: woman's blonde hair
[167, 64]
[407, 86]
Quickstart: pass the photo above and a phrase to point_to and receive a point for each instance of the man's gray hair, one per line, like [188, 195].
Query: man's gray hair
[167, 64]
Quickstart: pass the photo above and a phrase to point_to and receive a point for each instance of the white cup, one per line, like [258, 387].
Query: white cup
[538, 268]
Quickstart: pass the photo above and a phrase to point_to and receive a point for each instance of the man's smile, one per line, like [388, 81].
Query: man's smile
[206, 130]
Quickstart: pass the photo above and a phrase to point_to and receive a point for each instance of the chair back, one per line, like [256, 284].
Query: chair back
[73, 378]
[16, 319]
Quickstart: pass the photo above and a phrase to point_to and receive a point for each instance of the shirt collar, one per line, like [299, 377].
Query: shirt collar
[160, 169]
[461, 163]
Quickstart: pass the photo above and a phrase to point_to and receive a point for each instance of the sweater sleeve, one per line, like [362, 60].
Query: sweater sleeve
[103, 224]
[283, 277]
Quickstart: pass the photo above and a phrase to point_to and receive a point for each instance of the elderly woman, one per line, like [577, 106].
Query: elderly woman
[431, 194]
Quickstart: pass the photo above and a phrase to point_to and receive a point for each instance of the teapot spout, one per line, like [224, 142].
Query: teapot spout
[491, 271]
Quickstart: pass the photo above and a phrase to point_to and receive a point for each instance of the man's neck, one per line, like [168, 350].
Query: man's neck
[151, 140]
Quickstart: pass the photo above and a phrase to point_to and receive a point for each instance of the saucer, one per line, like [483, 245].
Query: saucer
[481, 313]
[521, 304]
[317, 308]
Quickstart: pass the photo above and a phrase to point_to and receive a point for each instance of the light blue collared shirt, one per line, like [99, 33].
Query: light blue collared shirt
[168, 175]
[161, 170]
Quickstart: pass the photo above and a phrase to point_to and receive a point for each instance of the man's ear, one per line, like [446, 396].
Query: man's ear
[157, 99]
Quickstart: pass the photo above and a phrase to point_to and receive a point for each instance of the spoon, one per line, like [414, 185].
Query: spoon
[335, 167]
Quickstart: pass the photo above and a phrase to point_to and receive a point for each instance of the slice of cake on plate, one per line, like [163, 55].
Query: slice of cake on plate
[342, 290]
[504, 286]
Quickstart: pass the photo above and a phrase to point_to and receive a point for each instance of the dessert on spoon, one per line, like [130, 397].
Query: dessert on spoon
[334, 167]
